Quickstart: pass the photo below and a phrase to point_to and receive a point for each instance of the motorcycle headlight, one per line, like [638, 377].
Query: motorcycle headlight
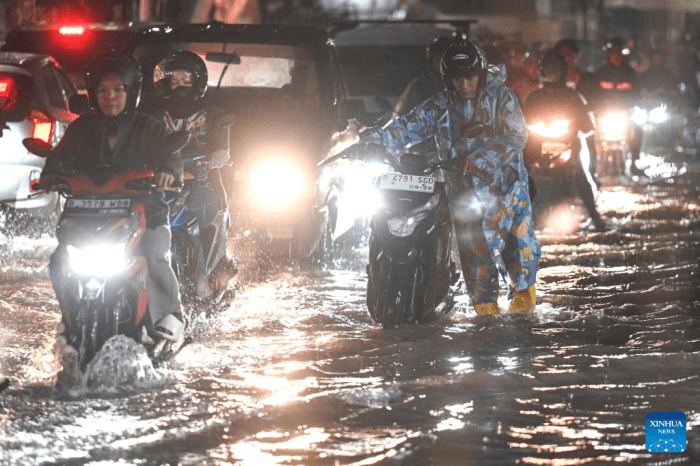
[406, 225]
[554, 129]
[658, 114]
[98, 261]
[277, 184]
[639, 116]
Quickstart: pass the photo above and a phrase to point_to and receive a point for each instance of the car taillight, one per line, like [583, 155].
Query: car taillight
[624, 86]
[5, 87]
[34, 178]
[8, 94]
[42, 125]
[607, 85]
[71, 30]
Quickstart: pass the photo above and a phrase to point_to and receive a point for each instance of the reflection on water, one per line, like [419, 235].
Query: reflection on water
[295, 373]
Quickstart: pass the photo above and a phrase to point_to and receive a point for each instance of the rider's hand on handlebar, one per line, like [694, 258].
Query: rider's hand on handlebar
[163, 180]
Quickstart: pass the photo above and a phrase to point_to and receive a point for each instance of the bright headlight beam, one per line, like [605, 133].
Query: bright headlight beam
[277, 184]
[98, 261]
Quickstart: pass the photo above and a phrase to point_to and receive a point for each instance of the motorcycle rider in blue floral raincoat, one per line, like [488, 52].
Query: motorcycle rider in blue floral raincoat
[488, 190]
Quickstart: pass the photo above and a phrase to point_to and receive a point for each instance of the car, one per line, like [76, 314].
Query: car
[380, 58]
[73, 46]
[34, 102]
[285, 87]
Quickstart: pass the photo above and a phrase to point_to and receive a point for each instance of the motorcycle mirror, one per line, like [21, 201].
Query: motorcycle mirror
[472, 130]
[37, 147]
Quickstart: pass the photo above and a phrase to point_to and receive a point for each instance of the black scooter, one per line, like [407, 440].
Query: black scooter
[410, 270]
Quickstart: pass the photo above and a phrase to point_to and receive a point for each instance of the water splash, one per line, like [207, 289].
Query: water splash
[121, 363]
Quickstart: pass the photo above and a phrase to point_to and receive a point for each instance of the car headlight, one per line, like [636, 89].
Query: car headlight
[98, 261]
[406, 225]
[277, 184]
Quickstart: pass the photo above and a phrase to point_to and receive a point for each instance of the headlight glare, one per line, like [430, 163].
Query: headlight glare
[98, 261]
[277, 184]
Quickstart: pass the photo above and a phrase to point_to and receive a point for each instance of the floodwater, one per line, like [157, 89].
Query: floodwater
[295, 373]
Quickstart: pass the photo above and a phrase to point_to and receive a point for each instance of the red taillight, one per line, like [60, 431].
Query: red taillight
[42, 125]
[607, 85]
[71, 30]
[624, 86]
[5, 87]
[8, 94]
[34, 178]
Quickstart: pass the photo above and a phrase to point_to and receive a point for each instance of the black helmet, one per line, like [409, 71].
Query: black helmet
[552, 67]
[463, 59]
[124, 66]
[186, 61]
[435, 50]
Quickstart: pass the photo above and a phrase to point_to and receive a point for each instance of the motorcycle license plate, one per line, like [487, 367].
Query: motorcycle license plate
[549, 147]
[400, 182]
[97, 207]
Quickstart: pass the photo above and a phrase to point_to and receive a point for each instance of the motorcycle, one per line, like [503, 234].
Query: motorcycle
[410, 270]
[613, 136]
[103, 290]
[101, 275]
[192, 250]
[557, 160]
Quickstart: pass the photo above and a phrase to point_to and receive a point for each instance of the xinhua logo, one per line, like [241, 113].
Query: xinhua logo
[665, 432]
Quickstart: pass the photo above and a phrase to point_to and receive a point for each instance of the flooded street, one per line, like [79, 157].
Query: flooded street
[294, 372]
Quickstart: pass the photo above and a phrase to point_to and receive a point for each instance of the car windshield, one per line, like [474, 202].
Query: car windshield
[272, 89]
[252, 73]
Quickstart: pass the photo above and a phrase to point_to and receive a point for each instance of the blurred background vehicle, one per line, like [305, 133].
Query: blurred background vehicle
[74, 45]
[34, 102]
[380, 58]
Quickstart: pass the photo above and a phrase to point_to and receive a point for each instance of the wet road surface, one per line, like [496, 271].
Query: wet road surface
[294, 372]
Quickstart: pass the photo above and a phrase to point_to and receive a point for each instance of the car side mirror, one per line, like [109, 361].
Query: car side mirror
[78, 103]
[37, 146]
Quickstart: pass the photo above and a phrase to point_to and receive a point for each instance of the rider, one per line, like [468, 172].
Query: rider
[554, 98]
[581, 80]
[117, 136]
[619, 83]
[181, 79]
[488, 194]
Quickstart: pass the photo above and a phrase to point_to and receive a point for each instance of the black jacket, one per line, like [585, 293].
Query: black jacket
[141, 143]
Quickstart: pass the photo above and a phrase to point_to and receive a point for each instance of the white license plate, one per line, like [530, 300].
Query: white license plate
[97, 203]
[400, 182]
[553, 147]
[107, 208]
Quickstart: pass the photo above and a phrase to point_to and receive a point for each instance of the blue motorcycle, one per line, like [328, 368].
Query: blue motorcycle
[196, 254]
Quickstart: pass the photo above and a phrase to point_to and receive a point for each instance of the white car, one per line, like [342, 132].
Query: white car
[34, 95]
